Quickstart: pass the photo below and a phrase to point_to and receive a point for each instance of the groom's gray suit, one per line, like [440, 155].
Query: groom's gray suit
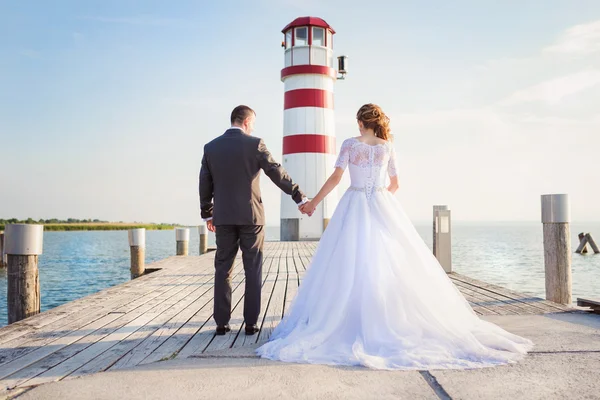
[230, 174]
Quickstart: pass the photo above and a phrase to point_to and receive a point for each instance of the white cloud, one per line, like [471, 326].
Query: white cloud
[554, 90]
[580, 39]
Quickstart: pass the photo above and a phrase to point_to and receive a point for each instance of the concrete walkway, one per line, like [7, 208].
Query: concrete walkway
[565, 364]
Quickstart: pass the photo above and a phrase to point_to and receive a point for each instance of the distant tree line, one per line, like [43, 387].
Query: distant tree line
[74, 224]
[49, 221]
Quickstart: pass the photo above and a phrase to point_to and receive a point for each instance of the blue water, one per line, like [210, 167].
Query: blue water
[76, 264]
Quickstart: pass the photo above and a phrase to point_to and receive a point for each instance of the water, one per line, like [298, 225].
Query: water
[76, 264]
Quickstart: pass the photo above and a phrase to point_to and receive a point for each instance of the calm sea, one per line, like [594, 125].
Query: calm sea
[76, 264]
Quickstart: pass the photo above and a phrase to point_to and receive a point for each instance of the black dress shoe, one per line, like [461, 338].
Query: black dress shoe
[251, 329]
[223, 329]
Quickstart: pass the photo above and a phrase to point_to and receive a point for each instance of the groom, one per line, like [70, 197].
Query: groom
[230, 174]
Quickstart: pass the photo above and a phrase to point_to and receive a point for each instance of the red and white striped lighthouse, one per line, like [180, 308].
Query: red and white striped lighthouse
[309, 148]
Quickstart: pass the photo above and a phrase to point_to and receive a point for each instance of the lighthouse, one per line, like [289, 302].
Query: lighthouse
[309, 148]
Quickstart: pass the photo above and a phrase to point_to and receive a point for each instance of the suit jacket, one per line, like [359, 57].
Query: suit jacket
[230, 175]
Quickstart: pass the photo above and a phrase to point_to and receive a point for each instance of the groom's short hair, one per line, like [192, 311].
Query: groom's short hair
[240, 113]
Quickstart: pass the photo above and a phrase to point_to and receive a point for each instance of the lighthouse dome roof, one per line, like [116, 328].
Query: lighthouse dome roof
[308, 21]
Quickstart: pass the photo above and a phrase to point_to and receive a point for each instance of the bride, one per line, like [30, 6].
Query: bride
[374, 294]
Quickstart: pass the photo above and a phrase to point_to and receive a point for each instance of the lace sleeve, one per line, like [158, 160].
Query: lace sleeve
[392, 162]
[344, 156]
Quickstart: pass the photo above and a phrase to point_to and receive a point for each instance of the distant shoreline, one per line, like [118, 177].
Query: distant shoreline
[101, 226]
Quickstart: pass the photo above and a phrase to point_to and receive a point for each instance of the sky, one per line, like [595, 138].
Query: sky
[105, 106]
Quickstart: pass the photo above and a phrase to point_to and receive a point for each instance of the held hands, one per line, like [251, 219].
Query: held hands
[210, 226]
[308, 208]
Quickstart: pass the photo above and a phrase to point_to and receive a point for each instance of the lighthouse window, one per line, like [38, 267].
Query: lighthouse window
[318, 38]
[288, 39]
[301, 36]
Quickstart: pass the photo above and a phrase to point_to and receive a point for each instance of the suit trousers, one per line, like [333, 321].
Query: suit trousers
[230, 238]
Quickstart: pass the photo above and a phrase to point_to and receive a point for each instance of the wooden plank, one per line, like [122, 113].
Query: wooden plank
[173, 346]
[594, 304]
[542, 304]
[531, 300]
[15, 330]
[274, 310]
[267, 288]
[146, 339]
[204, 324]
[485, 299]
[237, 328]
[158, 355]
[500, 305]
[155, 294]
[61, 351]
[496, 300]
[149, 337]
[202, 315]
[588, 302]
[268, 291]
[475, 305]
[39, 363]
[58, 336]
[292, 283]
[305, 264]
[134, 321]
[32, 327]
[82, 315]
[88, 345]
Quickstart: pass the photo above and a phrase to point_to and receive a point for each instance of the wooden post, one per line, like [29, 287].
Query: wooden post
[592, 243]
[137, 245]
[182, 236]
[435, 210]
[203, 232]
[2, 255]
[556, 216]
[442, 237]
[23, 246]
[583, 242]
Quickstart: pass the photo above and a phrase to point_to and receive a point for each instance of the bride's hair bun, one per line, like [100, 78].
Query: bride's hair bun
[373, 117]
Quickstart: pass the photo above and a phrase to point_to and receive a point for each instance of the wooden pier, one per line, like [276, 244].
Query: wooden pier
[167, 314]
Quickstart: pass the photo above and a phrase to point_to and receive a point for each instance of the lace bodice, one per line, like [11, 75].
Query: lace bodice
[368, 164]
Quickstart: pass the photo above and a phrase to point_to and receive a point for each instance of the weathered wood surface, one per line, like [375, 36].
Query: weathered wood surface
[2, 255]
[583, 242]
[594, 304]
[592, 243]
[203, 242]
[168, 314]
[557, 260]
[23, 287]
[138, 261]
[182, 248]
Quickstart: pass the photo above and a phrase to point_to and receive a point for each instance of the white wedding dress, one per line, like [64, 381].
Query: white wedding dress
[374, 294]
